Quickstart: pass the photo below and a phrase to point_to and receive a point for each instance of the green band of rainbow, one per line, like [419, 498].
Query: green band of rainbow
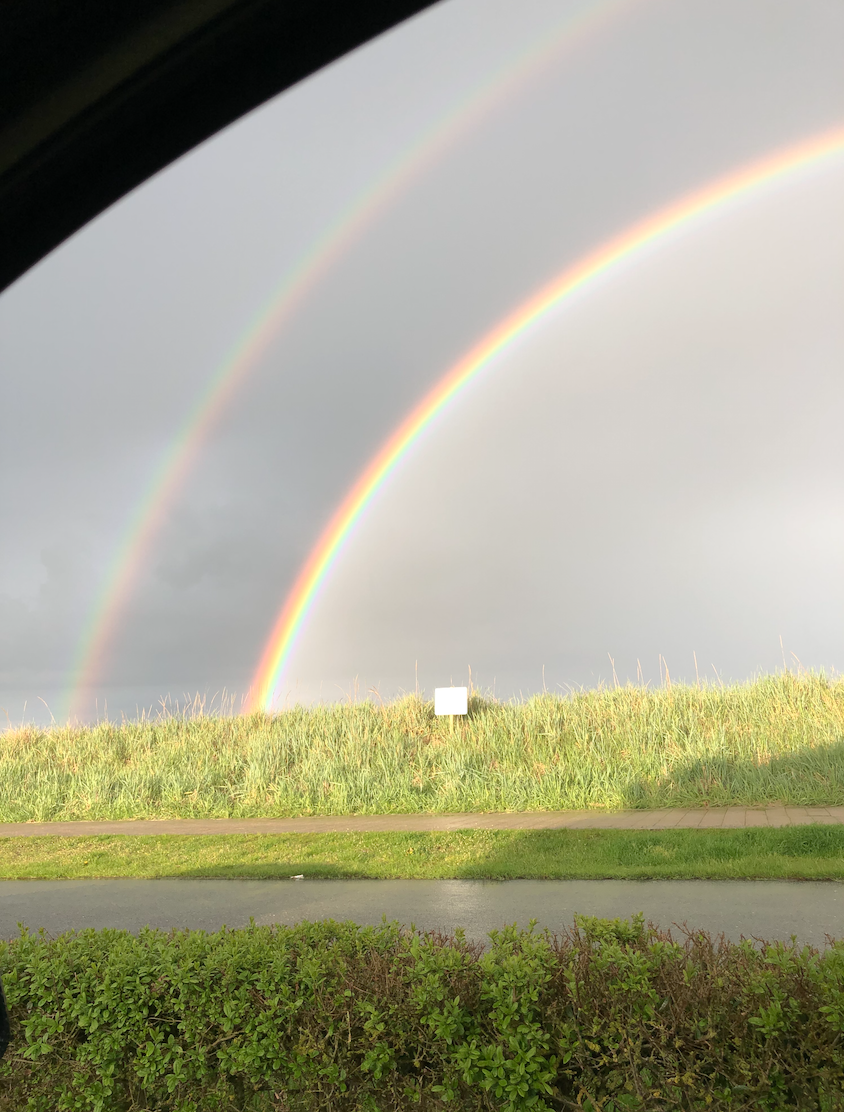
[152, 510]
[304, 592]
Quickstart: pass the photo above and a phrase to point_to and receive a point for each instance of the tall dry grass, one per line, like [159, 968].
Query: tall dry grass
[777, 738]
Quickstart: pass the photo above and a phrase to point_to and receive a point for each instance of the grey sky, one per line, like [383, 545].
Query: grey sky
[657, 469]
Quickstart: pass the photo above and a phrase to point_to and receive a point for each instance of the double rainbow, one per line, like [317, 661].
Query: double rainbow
[657, 228]
[153, 509]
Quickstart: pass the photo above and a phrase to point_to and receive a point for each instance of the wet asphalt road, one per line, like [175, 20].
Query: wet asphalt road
[769, 909]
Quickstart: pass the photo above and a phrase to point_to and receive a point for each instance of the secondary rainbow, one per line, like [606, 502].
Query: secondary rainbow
[586, 271]
[152, 510]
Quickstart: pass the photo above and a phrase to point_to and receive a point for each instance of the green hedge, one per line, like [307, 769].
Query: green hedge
[609, 1016]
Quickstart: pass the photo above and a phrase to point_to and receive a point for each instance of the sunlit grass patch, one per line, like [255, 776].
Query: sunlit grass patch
[777, 739]
[808, 852]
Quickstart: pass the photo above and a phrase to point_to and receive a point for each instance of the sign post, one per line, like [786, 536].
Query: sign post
[451, 701]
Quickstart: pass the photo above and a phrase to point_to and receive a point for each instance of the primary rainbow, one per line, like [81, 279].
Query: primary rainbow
[152, 510]
[324, 554]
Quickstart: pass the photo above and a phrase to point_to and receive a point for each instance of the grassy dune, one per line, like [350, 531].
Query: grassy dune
[778, 738]
[796, 852]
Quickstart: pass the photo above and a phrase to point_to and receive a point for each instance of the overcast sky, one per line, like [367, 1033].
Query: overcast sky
[654, 470]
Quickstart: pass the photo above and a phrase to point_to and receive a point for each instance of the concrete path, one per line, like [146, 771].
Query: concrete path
[674, 818]
[766, 909]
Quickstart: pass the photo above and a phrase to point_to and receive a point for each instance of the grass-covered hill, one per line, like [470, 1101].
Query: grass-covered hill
[776, 739]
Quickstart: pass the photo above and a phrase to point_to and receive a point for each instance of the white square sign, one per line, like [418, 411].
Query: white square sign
[451, 700]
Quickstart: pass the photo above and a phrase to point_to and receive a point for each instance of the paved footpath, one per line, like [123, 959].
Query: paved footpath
[669, 819]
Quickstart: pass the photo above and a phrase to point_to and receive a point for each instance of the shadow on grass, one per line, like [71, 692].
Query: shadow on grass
[659, 854]
[811, 776]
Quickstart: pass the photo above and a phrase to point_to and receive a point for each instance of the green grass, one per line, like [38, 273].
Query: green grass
[807, 852]
[777, 739]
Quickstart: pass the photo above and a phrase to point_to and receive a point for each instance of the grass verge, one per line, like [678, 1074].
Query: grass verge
[812, 852]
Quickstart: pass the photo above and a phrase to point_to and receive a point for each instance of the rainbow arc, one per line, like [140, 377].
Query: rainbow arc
[586, 272]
